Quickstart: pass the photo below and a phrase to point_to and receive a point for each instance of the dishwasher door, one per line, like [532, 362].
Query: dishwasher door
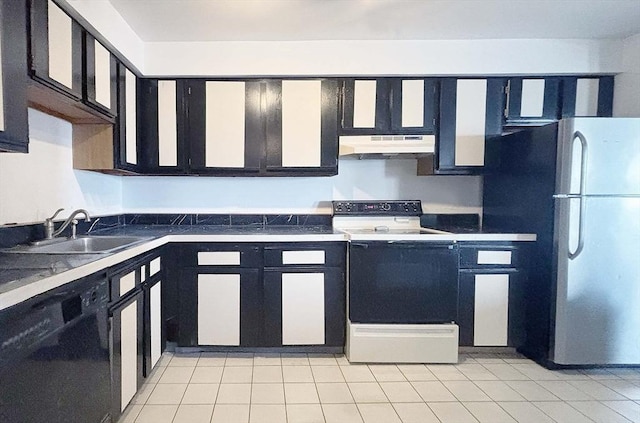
[403, 282]
[54, 357]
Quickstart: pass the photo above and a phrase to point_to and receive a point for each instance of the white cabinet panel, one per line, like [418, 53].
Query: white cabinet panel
[532, 100]
[219, 258]
[127, 283]
[218, 309]
[471, 99]
[2, 127]
[412, 103]
[301, 123]
[131, 116]
[129, 353]
[167, 124]
[303, 308]
[303, 257]
[225, 124]
[491, 314]
[494, 257]
[154, 266]
[60, 45]
[587, 97]
[102, 64]
[156, 322]
[364, 104]
[143, 273]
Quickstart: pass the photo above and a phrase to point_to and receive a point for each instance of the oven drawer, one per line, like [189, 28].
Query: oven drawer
[478, 256]
[325, 254]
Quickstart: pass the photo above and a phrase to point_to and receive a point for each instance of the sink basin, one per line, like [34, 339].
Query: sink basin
[81, 245]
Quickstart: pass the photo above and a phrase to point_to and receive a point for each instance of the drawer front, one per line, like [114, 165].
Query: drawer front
[305, 254]
[222, 255]
[481, 256]
[125, 277]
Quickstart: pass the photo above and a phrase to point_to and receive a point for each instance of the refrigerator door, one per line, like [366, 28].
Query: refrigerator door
[598, 156]
[597, 269]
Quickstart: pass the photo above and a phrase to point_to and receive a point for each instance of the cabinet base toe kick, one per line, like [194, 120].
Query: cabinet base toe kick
[402, 343]
[303, 349]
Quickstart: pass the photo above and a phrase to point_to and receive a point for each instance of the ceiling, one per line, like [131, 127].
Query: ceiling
[302, 20]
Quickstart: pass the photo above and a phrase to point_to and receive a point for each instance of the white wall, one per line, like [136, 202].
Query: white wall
[34, 185]
[626, 99]
[440, 57]
[357, 179]
[106, 19]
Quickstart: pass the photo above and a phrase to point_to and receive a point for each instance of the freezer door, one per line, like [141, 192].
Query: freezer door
[598, 156]
[597, 269]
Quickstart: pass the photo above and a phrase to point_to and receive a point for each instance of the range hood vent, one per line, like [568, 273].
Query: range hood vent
[387, 146]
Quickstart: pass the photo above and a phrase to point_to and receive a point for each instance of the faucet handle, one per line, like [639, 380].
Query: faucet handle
[54, 215]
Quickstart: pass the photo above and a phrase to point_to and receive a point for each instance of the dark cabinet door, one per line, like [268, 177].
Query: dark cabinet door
[304, 306]
[491, 307]
[56, 48]
[14, 127]
[127, 154]
[383, 106]
[471, 110]
[220, 306]
[225, 127]
[365, 106]
[127, 357]
[301, 127]
[587, 96]
[162, 132]
[533, 101]
[414, 106]
[101, 76]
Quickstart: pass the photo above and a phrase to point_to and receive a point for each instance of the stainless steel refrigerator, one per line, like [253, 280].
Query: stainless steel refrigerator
[577, 185]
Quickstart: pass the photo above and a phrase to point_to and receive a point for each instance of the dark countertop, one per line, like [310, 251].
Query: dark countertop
[19, 269]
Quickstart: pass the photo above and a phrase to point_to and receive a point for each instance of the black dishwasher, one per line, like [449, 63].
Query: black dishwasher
[54, 356]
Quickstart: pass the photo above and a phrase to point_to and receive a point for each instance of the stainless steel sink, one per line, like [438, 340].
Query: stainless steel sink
[81, 245]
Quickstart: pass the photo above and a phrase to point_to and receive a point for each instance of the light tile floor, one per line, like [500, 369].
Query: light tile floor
[310, 388]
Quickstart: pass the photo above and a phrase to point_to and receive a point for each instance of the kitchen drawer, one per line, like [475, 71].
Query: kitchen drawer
[477, 256]
[305, 254]
[223, 255]
[126, 276]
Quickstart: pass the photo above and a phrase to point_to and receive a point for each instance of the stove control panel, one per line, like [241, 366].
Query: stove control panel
[377, 208]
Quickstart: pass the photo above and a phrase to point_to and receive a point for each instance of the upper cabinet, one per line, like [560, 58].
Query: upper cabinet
[301, 127]
[14, 128]
[381, 106]
[101, 76]
[162, 137]
[541, 100]
[587, 96]
[226, 128]
[532, 101]
[56, 48]
[239, 127]
[470, 112]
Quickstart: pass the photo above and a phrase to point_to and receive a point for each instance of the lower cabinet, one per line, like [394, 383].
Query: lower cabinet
[237, 295]
[126, 337]
[304, 306]
[491, 307]
[136, 331]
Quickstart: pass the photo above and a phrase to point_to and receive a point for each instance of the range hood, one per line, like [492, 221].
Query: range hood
[386, 146]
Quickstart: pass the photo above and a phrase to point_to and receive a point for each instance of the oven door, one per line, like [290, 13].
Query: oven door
[403, 282]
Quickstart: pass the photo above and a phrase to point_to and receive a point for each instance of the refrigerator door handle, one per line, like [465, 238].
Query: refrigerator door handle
[583, 160]
[583, 181]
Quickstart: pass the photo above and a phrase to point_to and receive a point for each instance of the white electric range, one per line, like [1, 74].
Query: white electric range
[402, 284]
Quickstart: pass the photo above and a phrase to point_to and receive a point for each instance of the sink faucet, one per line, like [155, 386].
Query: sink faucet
[49, 229]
